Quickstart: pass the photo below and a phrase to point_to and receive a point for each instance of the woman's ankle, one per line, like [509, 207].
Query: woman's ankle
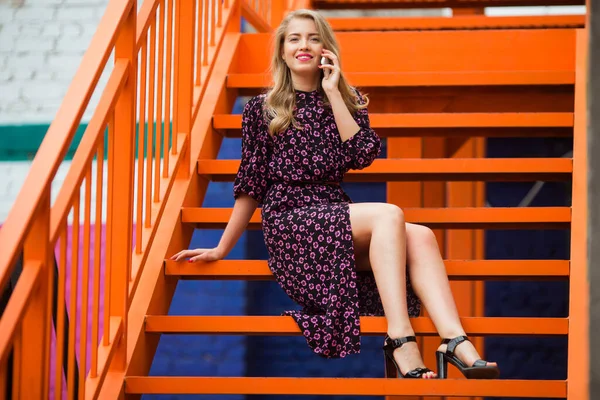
[400, 333]
[451, 334]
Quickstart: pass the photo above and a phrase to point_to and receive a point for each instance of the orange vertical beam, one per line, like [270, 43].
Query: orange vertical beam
[85, 282]
[60, 317]
[159, 105]
[169, 61]
[579, 358]
[150, 150]
[97, 261]
[35, 328]
[213, 26]
[73, 321]
[235, 18]
[184, 76]
[198, 57]
[141, 144]
[121, 204]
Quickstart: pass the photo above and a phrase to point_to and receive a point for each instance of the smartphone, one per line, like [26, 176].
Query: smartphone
[324, 60]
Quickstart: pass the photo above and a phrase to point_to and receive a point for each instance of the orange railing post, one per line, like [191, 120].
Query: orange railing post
[121, 169]
[32, 349]
[185, 12]
[578, 350]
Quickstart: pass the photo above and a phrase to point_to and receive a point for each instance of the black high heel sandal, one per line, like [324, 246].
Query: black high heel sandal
[479, 369]
[391, 368]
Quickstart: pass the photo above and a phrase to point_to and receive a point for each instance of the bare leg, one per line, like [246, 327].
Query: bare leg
[430, 283]
[378, 230]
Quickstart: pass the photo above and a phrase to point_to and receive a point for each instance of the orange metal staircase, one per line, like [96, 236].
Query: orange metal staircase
[438, 88]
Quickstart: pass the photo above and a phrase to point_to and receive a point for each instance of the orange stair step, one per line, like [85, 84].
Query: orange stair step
[448, 218]
[386, 4]
[433, 58]
[277, 325]
[457, 270]
[446, 124]
[431, 169]
[461, 22]
[406, 79]
[344, 386]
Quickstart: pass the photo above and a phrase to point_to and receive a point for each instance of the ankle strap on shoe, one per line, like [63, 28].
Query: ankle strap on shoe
[452, 343]
[396, 343]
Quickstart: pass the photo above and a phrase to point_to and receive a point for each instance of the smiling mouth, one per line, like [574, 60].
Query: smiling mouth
[304, 58]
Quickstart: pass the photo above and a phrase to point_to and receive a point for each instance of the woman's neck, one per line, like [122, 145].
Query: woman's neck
[305, 85]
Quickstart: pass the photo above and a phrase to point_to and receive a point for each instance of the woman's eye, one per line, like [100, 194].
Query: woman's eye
[315, 40]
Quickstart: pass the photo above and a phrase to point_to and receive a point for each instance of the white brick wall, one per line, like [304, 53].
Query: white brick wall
[41, 46]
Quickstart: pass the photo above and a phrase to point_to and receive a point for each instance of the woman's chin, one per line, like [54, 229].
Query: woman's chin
[306, 71]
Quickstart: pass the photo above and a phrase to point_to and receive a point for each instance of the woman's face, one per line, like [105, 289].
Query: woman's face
[302, 47]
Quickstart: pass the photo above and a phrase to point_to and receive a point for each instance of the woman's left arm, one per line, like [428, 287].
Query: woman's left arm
[360, 144]
[346, 124]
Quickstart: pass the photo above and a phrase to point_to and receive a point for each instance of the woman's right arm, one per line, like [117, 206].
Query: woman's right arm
[249, 187]
[242, 211]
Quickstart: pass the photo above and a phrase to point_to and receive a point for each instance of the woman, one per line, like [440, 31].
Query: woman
[336, 259]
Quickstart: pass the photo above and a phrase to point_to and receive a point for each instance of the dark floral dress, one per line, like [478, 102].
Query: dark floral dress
[306, 219]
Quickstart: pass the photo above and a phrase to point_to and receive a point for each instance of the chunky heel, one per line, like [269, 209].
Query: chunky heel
[392, 369]
[479, 369]
[442, 365]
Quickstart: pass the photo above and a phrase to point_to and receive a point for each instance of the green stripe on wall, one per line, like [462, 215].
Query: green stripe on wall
[21, 142]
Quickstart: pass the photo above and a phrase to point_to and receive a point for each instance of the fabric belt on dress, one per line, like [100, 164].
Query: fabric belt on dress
[303, 183]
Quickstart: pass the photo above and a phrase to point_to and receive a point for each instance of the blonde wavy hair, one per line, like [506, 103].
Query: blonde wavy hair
[280, 99]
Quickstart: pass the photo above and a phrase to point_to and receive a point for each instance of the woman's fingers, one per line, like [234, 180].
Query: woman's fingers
[187, 253]
[208, 255]
[329, 69]
[179, 255]
[199, 255]
[330, 54]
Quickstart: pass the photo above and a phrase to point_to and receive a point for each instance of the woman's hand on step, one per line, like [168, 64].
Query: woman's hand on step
[199, 255]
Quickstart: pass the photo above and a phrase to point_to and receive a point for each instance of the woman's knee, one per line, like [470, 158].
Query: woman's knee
[419, 235]
[389, 213]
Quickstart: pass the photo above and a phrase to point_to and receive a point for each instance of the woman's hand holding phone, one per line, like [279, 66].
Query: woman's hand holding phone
[331, 70]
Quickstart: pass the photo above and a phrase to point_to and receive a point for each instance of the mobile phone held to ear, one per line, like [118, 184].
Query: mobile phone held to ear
[324, 61]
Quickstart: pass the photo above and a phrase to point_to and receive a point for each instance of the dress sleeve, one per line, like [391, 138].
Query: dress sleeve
[251, 178]
[362, 148]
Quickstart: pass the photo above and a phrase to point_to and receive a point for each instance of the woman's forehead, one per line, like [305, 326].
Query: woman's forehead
[301, 26]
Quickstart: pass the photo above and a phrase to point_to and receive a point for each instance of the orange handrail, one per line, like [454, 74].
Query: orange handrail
[59, 136]
[34, 226]
[578, 348]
